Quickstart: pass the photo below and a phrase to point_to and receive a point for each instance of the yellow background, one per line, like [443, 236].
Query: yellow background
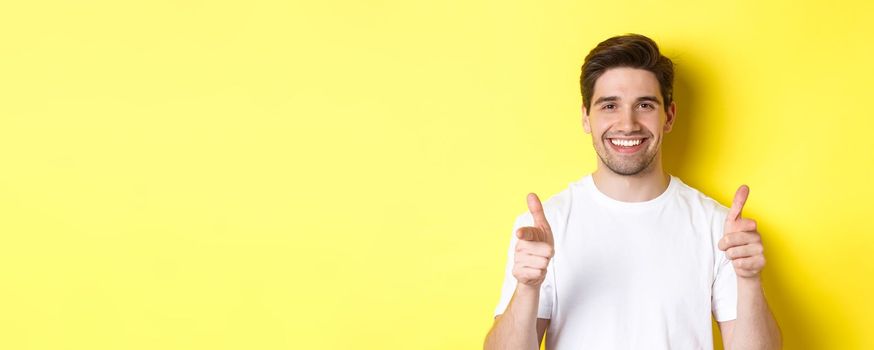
[345, 174]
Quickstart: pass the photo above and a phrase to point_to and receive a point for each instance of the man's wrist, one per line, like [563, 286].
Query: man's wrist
[749, 283]
[525, 289]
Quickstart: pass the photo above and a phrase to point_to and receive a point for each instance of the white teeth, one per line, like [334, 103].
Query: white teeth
[626, 143]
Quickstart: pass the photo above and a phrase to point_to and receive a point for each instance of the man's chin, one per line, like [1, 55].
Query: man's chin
[627, 167]
[626, 172]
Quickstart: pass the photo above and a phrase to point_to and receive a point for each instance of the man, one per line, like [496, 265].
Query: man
[630, 257]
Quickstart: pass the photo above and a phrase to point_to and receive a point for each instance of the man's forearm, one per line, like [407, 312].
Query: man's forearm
[755, 327]
[516, 328]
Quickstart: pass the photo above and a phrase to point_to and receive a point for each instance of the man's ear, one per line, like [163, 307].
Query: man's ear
[671, 115]
[586, 126]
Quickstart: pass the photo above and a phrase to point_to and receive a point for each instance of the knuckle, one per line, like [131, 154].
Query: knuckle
[520, 260]
[542, 249]
[737, 263]
[735, 237]
[737, 253]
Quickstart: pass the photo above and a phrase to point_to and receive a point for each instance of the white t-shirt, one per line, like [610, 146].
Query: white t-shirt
[642, 275]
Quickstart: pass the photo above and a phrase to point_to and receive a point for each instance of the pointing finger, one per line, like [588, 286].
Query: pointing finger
[529, 233]
[738, 239]
[737, 205]
[536, 210]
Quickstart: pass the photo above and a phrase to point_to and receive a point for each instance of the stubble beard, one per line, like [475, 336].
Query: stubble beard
[626, 166]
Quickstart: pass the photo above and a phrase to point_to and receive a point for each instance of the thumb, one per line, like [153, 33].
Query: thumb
[737, 205]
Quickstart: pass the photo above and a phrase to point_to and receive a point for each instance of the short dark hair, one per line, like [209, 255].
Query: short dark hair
[629, 50]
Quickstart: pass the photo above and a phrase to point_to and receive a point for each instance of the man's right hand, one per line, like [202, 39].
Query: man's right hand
[535, 247]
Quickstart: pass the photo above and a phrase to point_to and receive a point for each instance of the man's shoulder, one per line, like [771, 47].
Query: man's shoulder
[693, 196]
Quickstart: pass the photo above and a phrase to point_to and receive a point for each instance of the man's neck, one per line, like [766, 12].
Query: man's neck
[636, 188]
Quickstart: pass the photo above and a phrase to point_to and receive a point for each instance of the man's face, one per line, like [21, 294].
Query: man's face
[627, 120]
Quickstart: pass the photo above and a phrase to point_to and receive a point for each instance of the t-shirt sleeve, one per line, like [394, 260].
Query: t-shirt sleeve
[724, 293]
[547, 294]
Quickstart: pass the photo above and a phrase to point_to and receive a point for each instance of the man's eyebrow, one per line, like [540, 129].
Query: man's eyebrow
[606, 99]
[616, 98]
[649, 98]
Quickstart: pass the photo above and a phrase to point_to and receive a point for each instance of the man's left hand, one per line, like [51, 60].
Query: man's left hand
[741, 242]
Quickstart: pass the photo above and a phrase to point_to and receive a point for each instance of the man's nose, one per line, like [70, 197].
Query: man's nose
[628, 121]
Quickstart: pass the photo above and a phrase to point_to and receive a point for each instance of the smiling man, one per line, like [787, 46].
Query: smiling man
[630, 257]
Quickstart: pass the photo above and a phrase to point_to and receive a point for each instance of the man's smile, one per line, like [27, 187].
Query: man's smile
[627, 145]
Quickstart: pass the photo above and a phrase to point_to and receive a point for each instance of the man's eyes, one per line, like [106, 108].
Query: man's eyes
[645, 105]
